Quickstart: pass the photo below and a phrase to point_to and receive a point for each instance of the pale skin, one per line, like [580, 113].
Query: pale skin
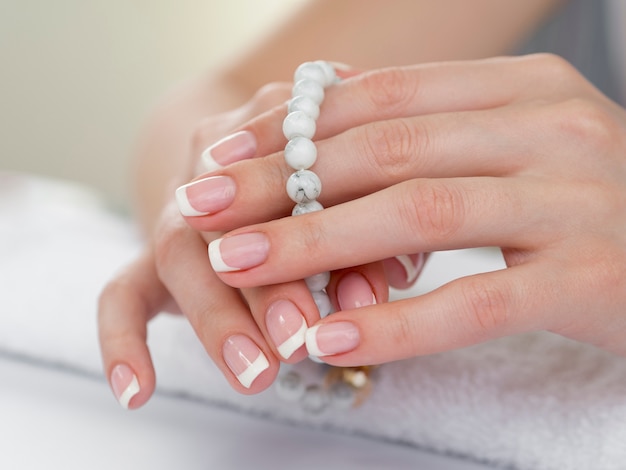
[522, 154]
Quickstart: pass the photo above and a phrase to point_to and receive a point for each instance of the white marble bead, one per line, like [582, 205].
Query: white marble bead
[329, 72]
[323, 303]
[304, 186]
[309, 88]
[318, 282]
[298, 123]
[342, 396]
[314, 400]
[300, 153]
[306, 208]
[311, 71]
[305, 104]
[290, 386]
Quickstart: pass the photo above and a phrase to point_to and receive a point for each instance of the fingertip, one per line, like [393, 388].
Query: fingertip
[132, 383]
[403, 271]
[249, 369]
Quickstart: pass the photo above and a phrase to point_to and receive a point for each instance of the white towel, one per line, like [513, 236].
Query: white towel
[530, 402]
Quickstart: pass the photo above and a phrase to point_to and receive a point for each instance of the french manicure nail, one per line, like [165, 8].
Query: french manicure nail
[354, 291]
[332, 338]
[238, 252]
[233, 148]
[244, 358]
[286, 326]
[205, 196]
[412, 265]
[124, 383]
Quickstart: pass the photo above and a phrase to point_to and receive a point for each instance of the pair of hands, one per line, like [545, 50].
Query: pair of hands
[519, 153]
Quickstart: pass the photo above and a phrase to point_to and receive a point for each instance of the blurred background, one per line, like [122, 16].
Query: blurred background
[79, 77]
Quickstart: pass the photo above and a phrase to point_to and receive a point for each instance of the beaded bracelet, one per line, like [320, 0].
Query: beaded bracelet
[342, 387]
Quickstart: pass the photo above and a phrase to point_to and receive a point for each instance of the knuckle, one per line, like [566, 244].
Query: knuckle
[390, 89]
[435, 210]
[271, 94]
[588, 124]
[167, 244]
[203, 135]
[486, 305]
[404, 333]
[314, 238]
[391, 146]
[555, 67]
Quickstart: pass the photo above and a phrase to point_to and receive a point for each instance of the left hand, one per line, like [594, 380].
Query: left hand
[519, 153]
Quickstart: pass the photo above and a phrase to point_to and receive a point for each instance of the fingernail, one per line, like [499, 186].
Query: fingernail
[286, 326]
[244, 358]
[332, 338]
[353, 291]
[412, 265]
[124, 383]
[205, 196]
[238, 252]
[233, 148]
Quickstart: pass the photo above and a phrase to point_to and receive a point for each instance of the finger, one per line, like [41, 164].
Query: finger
[464, 312]
[434, 88]
[402, 271]
[220, 318]
[125, 306]
[239, 144]
[283, 312]
[373, 157]
[379, 154]
[422, 215]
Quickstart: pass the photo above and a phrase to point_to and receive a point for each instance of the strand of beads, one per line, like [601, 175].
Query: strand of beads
[304, 188]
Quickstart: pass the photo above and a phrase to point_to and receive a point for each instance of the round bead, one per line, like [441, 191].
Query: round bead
[304, 104]
[310, 89]
[329, 72]
[297, 124]
[290, 386]
[318, 282]
[314, 400]
[300, 153]
[342, 396]
[311, 71]
[323, 303]
[304, 186]
[306, 208]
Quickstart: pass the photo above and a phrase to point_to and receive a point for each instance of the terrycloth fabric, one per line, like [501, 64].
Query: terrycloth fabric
[531, 402]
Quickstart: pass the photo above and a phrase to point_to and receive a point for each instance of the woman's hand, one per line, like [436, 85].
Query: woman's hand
[247, 332]
[520, 153]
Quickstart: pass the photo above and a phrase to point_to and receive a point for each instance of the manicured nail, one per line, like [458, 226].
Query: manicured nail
[332, 338]
[238, 252]
[412, 265]
[233, 148]
[206, 196]
[124, 383]
[353, 291]
[286, 326]
[244, 358]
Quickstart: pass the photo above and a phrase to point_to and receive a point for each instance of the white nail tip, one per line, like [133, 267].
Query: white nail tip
[209, 163]
[129, 392]
[293, 343]
[184, 205]
[311, 342]
[411, 270]
[215, 257]
[253, 371]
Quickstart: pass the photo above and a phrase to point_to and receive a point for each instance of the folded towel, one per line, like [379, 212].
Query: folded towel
[534, 401]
